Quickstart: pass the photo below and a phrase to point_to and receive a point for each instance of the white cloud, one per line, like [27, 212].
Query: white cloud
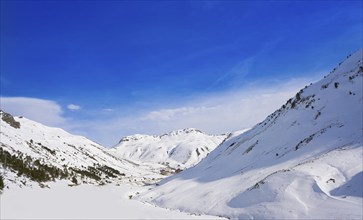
[168, 114]
[73, 107]
[44, 111]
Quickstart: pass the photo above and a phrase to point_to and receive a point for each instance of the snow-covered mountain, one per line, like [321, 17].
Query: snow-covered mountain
[177, 149]
[305, 160]
[31, 152]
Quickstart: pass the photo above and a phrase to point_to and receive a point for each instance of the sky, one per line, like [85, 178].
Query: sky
[106, 69]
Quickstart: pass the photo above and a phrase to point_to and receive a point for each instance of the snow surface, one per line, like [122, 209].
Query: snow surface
[305, 160]
[82, 202]
[177, 149]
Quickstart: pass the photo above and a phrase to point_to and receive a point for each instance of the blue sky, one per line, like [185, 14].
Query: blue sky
[117, 65]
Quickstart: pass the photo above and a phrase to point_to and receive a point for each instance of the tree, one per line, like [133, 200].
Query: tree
[1, 183]
[336, 84]
[74, 180]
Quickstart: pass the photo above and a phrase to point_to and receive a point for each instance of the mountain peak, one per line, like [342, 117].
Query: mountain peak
[139, 137]
[183, 131]
[136, 137]
[8, 118]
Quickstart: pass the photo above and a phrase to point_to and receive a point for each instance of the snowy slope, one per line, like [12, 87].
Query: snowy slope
[33, 143]
[82, 202]
[177, 149]
[303, 161]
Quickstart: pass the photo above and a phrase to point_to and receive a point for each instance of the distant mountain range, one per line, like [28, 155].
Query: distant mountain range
[178, 149]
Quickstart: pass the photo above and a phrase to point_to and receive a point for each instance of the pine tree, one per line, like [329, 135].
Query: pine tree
[1, 183]
[74, 180]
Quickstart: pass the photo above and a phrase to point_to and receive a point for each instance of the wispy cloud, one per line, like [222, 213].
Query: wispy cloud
[236, 73]
[172, 113]
[44, 111]
[73, 107]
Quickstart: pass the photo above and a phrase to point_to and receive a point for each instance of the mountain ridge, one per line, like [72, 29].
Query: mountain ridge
[30, 150]
[170, 133]
[290, 165]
